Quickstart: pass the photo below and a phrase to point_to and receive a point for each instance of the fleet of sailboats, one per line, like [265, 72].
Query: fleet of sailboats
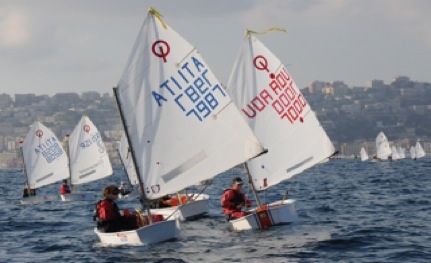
[180, 124]
[182, 127]
[282, 119]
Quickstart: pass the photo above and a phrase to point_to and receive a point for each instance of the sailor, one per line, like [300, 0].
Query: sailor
[64, 188]
[123, 190]
[233, 200]
[109, 218]
[28, 192]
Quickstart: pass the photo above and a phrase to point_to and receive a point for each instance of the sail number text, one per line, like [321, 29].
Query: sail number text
[282, 95]
[50, 149]
[193, 89]
[94, 138]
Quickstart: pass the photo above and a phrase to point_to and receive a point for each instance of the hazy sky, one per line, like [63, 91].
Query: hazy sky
[55, 46]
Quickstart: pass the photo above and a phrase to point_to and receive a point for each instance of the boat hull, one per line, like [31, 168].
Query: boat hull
[31, 200]
[189, 211]
[280, 212]
[84, 196]
[154, 233]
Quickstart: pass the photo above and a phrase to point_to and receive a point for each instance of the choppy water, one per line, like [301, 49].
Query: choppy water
[349, 212]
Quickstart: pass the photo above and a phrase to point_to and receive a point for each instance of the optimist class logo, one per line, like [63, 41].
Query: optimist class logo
[87, 128]
[39, 133]
[163, 49]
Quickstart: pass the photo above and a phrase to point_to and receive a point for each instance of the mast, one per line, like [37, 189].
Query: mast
[250, 181]
[25, 170]
[132, 151]
[68, 160]
[125, 169]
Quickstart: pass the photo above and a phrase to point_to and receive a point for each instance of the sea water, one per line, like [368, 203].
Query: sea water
[349, 211]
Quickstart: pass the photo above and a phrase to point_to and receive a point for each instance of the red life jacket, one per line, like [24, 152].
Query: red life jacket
[237, 199]
[64, 189]
[107, 210]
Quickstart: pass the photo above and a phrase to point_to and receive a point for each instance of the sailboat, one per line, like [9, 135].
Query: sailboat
[395, 156]
[401, 152]
[382, 146]
[283, 121]
[180, 124]
[45, 161]
[197, 204]
[419, 150]
[364, 155]
[88, 159]
[413, 152]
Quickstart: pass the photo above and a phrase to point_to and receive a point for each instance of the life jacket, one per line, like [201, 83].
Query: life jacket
[173, 201]
[237, 199]
[64, 189]
[106, 210]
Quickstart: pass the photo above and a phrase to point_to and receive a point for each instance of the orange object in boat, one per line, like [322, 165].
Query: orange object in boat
[174, 201]
[263, 216]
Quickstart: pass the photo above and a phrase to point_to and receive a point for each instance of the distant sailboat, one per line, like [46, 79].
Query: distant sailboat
[45, 161]
[88, 159]
[180, 124]
[419, 150]
[395, 156]
[401, 152]
[382, 146]
[364, 155]
[283, 121]
[413, 152]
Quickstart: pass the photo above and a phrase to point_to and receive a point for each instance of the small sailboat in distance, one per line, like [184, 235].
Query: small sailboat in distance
[413, 152]
[88, 159]
[180, 124]
[419, 150]
[283, 121]
[45, 162]
[364, 155]
[382, 147]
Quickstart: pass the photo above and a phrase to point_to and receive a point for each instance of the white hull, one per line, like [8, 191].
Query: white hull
[79, 197]
[31, 200]
[154, 233]
[280, 212]
[189, 211]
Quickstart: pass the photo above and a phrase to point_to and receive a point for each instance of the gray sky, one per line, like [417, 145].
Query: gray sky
[52, 46]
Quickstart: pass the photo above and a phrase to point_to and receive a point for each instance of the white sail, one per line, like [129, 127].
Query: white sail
[413, 152]
[401, 152]
[182, 124]
[419, 150]
[44, 158]
[364, 155]
[382, 146]
[278, 114]
[395, 155]
[127, 160]
[89, 160]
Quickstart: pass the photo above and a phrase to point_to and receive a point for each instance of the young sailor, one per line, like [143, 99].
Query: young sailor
[64, 188]
[109, 218]
[233, 200]
[123, 190]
